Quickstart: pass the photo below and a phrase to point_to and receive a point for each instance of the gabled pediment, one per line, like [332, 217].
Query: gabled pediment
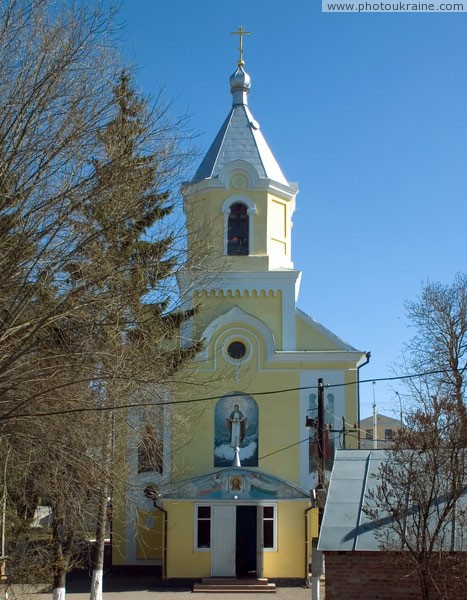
[235, 483]
[236, 316]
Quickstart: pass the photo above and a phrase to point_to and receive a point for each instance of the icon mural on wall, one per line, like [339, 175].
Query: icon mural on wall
[236, 425]
[233, 481]
[236, 483]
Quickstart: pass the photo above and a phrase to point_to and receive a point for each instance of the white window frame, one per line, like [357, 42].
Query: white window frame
[272, 548]
[195, 533]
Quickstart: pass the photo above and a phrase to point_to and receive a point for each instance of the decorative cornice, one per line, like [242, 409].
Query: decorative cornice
[236, 293]
[288, 192]
[243, 281]
[316, 356]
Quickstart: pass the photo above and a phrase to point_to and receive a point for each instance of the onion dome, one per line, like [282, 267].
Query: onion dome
[240, 84]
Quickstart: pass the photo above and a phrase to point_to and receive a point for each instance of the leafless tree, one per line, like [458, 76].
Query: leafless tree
[439, 317]
[55, 91]
[87, 263]
[56, 68]
[130, 267]
[419, 501]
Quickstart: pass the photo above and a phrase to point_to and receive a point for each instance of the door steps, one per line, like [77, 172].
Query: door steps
[233, 584]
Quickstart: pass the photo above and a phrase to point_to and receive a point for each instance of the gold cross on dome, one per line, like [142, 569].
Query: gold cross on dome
[240, 32]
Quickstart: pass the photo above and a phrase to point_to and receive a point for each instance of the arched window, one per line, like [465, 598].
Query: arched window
[151, 431]
[150, 450]
[237, 230]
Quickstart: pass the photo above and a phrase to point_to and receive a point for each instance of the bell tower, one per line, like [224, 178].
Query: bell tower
[240, 202]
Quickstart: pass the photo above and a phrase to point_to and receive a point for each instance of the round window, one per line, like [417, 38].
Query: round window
[236, 350]
[239, 181]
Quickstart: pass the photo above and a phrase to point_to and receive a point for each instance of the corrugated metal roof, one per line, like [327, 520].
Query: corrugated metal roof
[345, 526]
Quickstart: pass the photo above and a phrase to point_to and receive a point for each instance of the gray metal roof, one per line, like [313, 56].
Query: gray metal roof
[345, 526]
[240, 138]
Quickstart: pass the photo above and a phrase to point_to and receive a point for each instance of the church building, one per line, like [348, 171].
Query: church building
[232, 495]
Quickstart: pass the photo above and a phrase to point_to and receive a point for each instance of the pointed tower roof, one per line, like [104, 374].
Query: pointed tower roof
[240, 138]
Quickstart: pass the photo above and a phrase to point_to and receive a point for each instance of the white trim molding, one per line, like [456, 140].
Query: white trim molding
[241, 167]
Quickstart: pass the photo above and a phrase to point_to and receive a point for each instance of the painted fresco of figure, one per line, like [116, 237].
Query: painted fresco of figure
[236, 422]
[236, 426]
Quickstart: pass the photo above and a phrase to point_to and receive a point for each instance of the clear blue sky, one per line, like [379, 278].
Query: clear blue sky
[367, 112]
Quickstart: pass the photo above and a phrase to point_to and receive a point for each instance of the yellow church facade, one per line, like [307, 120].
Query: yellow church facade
[232, 495]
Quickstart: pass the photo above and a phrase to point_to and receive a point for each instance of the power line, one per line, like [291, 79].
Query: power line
[284, 448]
[208, 398]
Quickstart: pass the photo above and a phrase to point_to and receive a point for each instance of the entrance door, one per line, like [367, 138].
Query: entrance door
[237, 541]
[245, 551]
[223, 541]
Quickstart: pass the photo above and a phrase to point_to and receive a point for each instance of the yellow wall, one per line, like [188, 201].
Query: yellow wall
[205, 219]
[274, 411]
[182, 560]
[216, 378]
[351, 407]
[265, 306]
[271, 227]
[287, 561]
[314, 523]
[310, 339]
[150, 536]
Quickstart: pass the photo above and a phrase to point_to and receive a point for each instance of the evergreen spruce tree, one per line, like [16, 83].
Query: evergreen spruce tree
[130, 268]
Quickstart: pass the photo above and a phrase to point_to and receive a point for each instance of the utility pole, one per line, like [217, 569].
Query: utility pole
[318, 423]
[344, 430]
[375, 420]
[320, 433]
[400, 406]
[317, 564]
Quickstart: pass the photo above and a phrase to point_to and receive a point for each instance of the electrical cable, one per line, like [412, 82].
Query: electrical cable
[206, 399]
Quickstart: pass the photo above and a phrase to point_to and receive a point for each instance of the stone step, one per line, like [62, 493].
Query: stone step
[234, 580]
[232, 590]
[235, 589]
[232, 585]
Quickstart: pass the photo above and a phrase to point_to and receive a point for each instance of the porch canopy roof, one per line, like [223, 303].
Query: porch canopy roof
[236, 483]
